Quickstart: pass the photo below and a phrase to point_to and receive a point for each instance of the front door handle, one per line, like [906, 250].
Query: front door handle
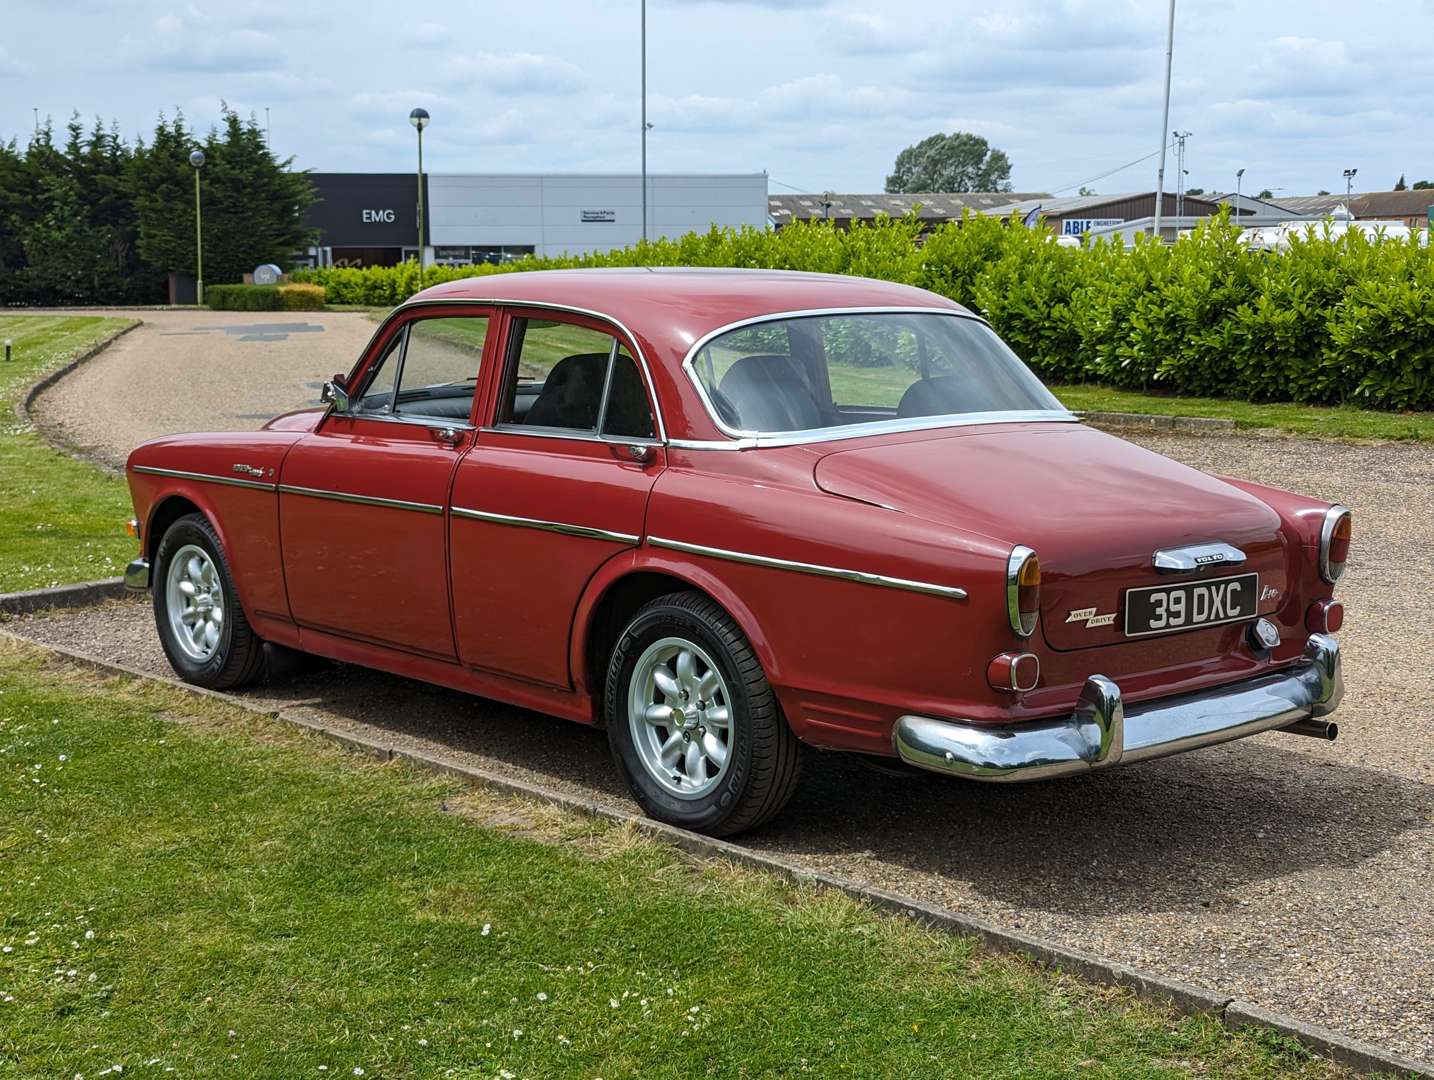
[448, 436]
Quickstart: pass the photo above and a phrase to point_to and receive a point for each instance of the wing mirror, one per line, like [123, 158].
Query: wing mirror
[335, 394]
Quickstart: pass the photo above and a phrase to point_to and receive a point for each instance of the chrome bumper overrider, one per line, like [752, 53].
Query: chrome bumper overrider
[136, 575]
[1102, 732]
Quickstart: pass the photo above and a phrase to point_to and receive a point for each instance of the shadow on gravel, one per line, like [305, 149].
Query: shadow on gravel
[1165, 835]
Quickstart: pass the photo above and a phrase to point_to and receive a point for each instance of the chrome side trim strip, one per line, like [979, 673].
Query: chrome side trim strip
[209, 478]
[362, 500]
[570, 434]
[861, 576]
[547, 526]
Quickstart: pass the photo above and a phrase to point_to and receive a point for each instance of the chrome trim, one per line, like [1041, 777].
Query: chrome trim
[362, 500]
[861, 576]
[136, 575]
[1019, 554]
[874, 427]
[1196, 557]
[547, 526]
[712, 444]
[247, 470]
[210, 478]
[508, 303]
[580, 434]
[1102, 731]
[1326, 534]
[433, 423]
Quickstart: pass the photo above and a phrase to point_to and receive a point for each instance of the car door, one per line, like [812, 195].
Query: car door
[554, 487]
[363, 500]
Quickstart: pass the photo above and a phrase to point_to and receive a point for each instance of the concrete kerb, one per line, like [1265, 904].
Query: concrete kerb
[35, 389]
[1200, 425]
[84, 594]
[1182, 998]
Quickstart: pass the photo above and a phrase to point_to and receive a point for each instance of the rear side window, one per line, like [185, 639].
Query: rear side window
[566, 377]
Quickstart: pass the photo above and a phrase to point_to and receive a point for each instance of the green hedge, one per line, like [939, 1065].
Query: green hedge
[1345, 319]
[305, 296]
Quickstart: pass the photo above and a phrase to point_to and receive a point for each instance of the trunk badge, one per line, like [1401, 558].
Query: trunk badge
[1196, 557]
[1088, 616]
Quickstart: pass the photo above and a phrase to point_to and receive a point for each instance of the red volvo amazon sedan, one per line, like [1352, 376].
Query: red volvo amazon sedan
[727, 513]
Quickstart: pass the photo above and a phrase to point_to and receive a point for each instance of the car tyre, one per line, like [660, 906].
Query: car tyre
[201, 624]
[677, 668]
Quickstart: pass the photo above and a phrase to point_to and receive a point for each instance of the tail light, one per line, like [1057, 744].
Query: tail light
[1334, 537]
[1023, 590]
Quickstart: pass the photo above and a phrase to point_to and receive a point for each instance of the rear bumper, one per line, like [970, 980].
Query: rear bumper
[1102, 732]
[136, 575]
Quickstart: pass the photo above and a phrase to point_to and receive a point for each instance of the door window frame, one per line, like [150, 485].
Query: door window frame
[507, 378]
[396, 325]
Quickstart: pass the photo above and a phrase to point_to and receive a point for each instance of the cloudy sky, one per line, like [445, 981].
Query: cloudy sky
[821, 94]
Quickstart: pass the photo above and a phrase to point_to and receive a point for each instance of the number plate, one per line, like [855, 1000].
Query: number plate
[1164, 609]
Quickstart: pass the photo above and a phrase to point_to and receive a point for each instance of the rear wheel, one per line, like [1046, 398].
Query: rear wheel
[196, 609]
[694, 726]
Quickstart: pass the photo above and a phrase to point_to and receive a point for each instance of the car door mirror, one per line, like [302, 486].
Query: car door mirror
[335, 394]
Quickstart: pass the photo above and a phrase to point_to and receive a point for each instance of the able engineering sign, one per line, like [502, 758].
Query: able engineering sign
[1081, 226]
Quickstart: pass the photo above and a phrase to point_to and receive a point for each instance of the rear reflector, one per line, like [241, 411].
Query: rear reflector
[1023, 590]
[1014, 671]
[1324, 617]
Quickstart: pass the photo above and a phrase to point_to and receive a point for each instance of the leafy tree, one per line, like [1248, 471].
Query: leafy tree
[959, 161]
[252, 205]
[61, 244]
[1321, 191]
[1265, 193]
[1194, 191]
[1401, 185]
[1087, 191]
[1423, 185]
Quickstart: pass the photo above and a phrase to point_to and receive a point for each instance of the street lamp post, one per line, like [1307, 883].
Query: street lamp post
[197, 160]
[1164, 124]
[419, 119]
[643, 65]
[1349, 189]
[1239, 176]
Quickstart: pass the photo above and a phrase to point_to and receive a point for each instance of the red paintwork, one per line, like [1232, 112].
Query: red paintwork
[506, 611]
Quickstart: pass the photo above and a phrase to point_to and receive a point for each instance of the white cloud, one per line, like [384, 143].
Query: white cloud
[516, 72]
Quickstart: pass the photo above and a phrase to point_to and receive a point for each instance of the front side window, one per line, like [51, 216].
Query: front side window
[825, 371]
[434, 364]
[574, 378]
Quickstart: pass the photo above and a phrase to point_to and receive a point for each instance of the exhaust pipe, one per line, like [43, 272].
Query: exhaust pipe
[1314, 727]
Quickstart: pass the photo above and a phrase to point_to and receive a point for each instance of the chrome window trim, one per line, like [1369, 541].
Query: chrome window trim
[433, 422]
[755, 439]
[563, 527]
[507, 303]
[580, 435]
[211, 478]
[1326, 534]
[862, 577]
[362, 500]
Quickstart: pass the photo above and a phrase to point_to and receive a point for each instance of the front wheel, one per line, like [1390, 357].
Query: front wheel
[694, 725]
[196, 609]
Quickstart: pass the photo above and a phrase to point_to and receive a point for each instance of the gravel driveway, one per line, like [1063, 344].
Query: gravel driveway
[1296, 874]
[199, 371]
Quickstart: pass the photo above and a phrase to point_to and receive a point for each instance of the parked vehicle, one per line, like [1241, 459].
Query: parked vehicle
[729, 514]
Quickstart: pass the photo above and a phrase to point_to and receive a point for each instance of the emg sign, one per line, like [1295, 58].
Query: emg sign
[379, 217]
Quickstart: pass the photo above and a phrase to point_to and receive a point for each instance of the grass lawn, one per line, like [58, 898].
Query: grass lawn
[189, 887]
[60, 520]
[1341, 422]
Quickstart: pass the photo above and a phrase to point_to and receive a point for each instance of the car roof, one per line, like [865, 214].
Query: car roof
[686, 303]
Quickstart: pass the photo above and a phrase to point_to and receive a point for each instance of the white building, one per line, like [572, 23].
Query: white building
[371, 219]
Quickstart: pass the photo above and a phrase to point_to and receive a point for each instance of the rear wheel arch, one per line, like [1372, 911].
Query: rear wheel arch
[613, 600]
